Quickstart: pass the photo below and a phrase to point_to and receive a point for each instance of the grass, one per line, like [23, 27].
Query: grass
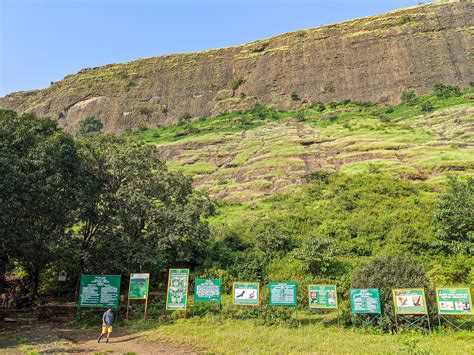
[238, 336]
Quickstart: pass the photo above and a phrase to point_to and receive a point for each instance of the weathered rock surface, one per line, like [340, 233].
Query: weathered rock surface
[369, 59]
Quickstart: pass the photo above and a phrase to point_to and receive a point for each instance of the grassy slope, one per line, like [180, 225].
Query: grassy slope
[241, 156]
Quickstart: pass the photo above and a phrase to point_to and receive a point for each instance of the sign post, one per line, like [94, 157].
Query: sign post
[453, 301]
[323, 297]
[365, 306]
[411, 302]
[99, 291]
[138, 290]
[177, 293]
[283, 294]
[208, 291]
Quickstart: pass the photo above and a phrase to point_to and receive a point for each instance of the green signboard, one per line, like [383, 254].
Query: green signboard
[138, 289]
[177, 295]
[207, 290]
[102, 291]
[322, 296]
[454, 300]
[282, 293]
[246, 293]
[365, 300]
[409, 301]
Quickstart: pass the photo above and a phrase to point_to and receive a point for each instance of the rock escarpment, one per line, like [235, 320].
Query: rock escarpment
[369, 59]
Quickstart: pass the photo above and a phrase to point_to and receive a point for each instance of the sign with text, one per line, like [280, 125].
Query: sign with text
[207, 290]
[62, 276]
[139, 284]
[322, 296]
[177, 294]
[365, 300]
[454, 300]
[409, 301]
[101, 291]
[282, 293]
[246, 293]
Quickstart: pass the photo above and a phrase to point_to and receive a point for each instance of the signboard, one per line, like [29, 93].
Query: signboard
[139, 284]
[102, 291]
[282, 293]
[207, 290]
[454, 300]
[246, 293]
[177, 294]
[409, 301]
[365, 301]
[62, 276]
[322, 296]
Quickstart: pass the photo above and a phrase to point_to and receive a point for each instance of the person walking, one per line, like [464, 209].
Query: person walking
[5, 299]
[107, 320]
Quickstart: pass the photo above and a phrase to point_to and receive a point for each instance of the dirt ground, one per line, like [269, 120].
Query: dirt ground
[19, 337]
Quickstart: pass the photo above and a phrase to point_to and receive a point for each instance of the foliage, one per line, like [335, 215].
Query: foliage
[445, 91]
[89, 126]
[409, 97]
[236, 82]
[184, 118]
[427, 106]
[454, 218]
[294, 96]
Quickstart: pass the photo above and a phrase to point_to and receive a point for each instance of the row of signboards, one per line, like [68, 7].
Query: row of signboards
[104, 291]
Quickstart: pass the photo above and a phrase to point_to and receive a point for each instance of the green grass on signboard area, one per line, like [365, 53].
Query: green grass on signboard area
[235, 336]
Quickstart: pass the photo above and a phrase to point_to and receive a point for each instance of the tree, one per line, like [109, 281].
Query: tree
[38, 188]
[445, 91]
[454, 217]
[89, 126]
[408, 97]
[136, 211]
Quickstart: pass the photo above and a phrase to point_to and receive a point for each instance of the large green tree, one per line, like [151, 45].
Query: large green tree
[38, 189]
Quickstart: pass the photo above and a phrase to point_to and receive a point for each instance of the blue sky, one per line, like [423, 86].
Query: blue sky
[44, 40]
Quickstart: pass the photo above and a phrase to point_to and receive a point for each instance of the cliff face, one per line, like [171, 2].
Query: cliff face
[369, 59]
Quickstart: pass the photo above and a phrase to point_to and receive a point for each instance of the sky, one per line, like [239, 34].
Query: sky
[44, 40]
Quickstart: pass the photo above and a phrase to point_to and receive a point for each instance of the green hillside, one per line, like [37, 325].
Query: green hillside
[249, 155]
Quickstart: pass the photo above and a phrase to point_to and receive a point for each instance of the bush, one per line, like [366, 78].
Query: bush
[89, 126]
[300, 117]
[294, 96]
[333, 104]
[445, 91]
[386, 273]
[236, 82]
[184, 118]
[318, 106]
[427, 106]
[408, 97]
[145, 111]
[471, 84]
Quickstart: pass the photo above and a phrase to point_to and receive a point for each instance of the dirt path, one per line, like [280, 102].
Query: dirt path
[60, 338]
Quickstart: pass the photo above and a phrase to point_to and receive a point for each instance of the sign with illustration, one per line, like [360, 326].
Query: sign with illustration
[409, 301]
[207, 290]
[282, 293]
[246, 293]
[139, 284]
[322, 296]
[101, 291]
[454, 300]
[177, 294]
[365, 300]
[62, 276]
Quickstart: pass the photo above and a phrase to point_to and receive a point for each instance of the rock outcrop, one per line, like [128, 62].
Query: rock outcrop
[368, 59]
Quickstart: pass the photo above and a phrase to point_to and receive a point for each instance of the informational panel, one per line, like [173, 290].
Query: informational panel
[207, 290]
[101, 291]
[177, 294]
[322, 296]
[62, 276]
[365, 300]
[139, 284]
[454, 300]
[282, 293]
[246, 293]
[409, 301]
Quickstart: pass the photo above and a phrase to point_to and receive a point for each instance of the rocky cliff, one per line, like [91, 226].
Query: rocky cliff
[369, 59]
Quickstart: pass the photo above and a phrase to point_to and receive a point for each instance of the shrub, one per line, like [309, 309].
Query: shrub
[408, 97]
[471, 84]
[386, 273]
[427, 106]
[445, 91]
[294, 96]
[318, 106]
[145, 111]
[333, 104]
[89, 126]
[300, 117]
[389, 109]
[318, 254]
[184, 118]
[236, 82]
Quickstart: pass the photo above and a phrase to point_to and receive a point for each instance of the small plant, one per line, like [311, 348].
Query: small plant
[427, 106]
[389, 109]
[471, 84]
[236, 82]
[318, 106]
[184, 118]
[294, 96]
[142, 128]
[405, 19]
[300, 117]
[409, 97]
[242, 95]
[333, 104]
[145, 111]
